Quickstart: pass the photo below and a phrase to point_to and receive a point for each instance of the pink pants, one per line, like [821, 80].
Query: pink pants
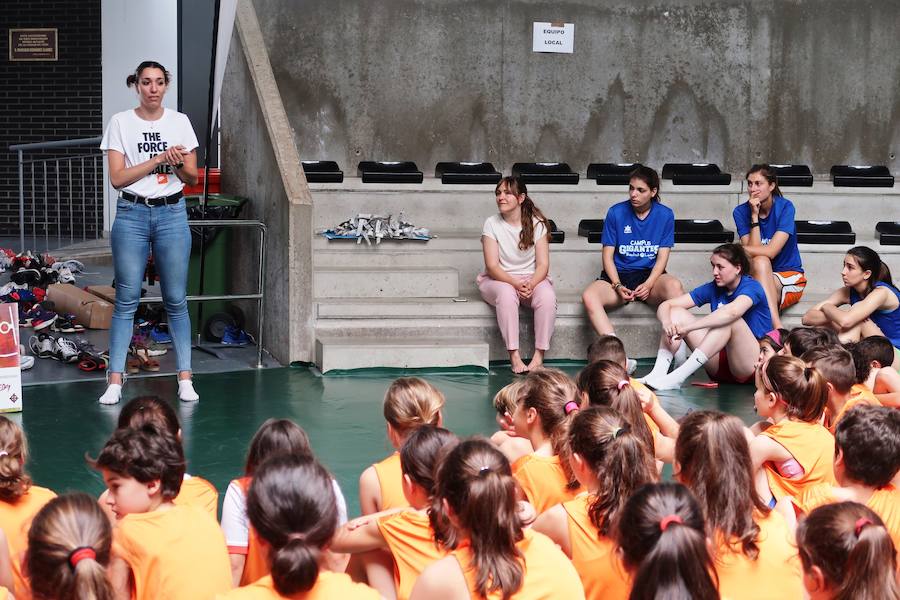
[504, 298]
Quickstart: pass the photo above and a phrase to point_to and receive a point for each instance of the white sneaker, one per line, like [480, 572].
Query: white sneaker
[112, 395]
[25, 362]
[65, 350]
[186, 392]
[11, 287]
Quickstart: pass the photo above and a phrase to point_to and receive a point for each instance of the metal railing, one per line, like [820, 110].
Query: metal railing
[66, 192]
[259, 295]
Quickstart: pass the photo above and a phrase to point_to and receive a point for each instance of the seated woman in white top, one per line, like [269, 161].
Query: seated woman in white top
[516, 247]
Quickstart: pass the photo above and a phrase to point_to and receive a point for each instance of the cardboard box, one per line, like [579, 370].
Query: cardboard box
[89, 310]
[107, 292]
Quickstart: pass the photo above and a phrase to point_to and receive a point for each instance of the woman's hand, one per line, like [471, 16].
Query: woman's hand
[642, 292]
[625, 293]
[675, 330]
[524, 288]
[174, 155]
[646, 398]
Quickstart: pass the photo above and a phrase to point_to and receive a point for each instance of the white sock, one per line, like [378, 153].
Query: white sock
[681, 355]
[186, 392]
[677, 377]
[661, 366]
[112, 395]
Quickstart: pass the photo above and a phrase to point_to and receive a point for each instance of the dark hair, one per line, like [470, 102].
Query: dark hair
[420, 453]
[715, 465]
[618, 458]
[767, 172]
[648, 176]
[530, 212]
[149, 410]
[801, 339]
[14, 481]
[868, 437]
[873, 348]
[292, 506]
[602, 382]
[147, 64]
[852, 547]
[835, 364]
[276, 436]
[735, 254]
[62, 526]
[548, 392]
[869, 260]
[145, 454]
[476, 482]
[770, 339]
[663, 540]
[607, 347]
[801, 388]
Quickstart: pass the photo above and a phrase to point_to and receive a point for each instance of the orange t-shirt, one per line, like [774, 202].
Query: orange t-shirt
[328, 586]
[543, 480]
[390, 479]
[411, 542]
[776, 572]
[256, 563]
[548, 572]
[198, 492]
[594, 556]
[859, 394]
[15, 520]
[177, 554]
[884, 502]
[812, 446]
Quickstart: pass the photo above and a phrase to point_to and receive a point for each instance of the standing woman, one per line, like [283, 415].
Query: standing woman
[638, 235]
[516, 246]
[874, 302]
[151, 153]
[765, 224]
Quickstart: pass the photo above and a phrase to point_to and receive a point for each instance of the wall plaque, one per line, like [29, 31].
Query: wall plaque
[33, 44]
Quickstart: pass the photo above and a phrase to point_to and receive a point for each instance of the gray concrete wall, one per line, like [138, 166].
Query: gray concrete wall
[258, 161]
[726, 81]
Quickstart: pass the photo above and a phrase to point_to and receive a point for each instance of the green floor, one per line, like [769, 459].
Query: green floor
[341, 414]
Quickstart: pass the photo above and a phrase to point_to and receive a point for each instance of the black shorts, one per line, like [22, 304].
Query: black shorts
[630, 279]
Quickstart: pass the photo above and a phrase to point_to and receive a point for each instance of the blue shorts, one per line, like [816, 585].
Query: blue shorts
[630, 279]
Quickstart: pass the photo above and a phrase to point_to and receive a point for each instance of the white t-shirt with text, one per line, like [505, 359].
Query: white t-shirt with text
[512, 260]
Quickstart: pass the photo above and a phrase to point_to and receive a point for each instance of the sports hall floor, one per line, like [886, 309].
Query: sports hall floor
[341, 414]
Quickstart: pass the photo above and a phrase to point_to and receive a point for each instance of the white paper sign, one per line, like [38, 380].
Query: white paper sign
[10, 374]
[554, 37]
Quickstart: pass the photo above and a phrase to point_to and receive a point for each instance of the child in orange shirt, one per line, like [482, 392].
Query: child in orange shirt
[69, 550]
[153, 410]
[544, 405]
[245, 552]
[874, 357]
[867, 457]
[408, 403]
[161, 550]
[794, 452]
[292, 506]
[406, 535]
[753, 546]
[474, 513]
[847, 553]
[836, 365]
[801, 339]
[505, 402]
[20, 500]
[610, 462]
[662, 537]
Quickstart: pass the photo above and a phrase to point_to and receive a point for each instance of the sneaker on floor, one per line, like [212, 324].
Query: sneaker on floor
[65, 350]
[234, 336]
[25, 362]
[40, 317]
[26, 276]
[72, 265]
[66, 324]
[42, 345]
[160, 334]
[11, 287]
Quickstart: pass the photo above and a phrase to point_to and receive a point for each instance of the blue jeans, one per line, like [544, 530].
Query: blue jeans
[136, 230]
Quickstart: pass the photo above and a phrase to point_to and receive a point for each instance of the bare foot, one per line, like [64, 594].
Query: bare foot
[537, 361]
[516, 363]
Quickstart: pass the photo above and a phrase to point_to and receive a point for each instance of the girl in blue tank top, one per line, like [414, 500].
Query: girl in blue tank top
[873, 301]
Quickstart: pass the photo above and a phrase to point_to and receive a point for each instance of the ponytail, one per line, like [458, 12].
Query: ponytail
[553, 395]
[803, 389]
[853, 549]
[869, 260]
[663, 540]
[606, 383]
[476, 482]
[292, 506]
[530, 212]
[421, 452]
[14, 481]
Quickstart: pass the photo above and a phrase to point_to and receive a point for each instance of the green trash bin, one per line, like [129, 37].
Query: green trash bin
[216, 274]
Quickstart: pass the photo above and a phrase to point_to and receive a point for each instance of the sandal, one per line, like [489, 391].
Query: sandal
[90, 363]
[145, 362]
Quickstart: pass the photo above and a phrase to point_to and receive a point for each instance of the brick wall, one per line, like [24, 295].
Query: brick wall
[43, 101]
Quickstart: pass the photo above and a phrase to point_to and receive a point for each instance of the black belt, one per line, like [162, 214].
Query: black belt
[173, 199]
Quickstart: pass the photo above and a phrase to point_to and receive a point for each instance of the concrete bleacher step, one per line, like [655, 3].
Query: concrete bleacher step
[373, 351]
[362, 281]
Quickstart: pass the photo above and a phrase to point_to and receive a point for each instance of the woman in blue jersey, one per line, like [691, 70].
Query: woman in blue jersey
[765, 225]
[724, 341]
[874, 302]
[638, 235]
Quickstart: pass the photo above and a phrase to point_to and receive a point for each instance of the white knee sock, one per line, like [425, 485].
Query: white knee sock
[661, 367]
[677, 377]
[681, 355]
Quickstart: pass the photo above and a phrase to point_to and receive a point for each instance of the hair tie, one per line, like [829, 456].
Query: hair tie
[622, 384]
[296, 537]
[861, 524]
[4, 453]
[668, 520]
[484, 469]
[79, 554]
[571, 406]
[617, 432]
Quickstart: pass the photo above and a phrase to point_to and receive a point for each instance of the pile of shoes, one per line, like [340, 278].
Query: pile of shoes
[70, 351]
[150, 339]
